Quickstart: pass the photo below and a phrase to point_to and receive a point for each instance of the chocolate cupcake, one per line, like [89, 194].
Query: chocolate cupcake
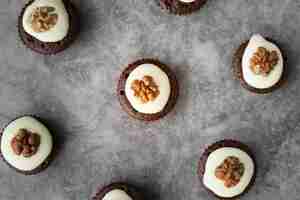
[48, 26]
[147, 90]
[259, 65]
[181, 7]
[26, 145]
[227, 169]
[118, 191]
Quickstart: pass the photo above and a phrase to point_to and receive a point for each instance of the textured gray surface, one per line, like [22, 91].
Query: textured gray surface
[74, 92]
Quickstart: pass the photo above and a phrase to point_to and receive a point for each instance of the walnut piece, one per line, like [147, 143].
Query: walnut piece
[25, 143]
[263, 61]
[146, 89]
[230, 171]
[43, 19]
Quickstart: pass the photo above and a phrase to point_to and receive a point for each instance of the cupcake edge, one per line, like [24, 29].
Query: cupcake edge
[183, 8]
[125, 104]
[43, 166]
[127, 188]
[218, 145]
[238, 71]
[51, 48]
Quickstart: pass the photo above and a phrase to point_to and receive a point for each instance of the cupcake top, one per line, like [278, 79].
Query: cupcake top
[118, 191]
[26, 143]
[148, 89]
[46, 20]
[228, 172]
[262, 63]
[181, 7]
[116, 194]
[187, 1]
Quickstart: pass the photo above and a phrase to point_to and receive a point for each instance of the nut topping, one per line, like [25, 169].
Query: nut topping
[43, 19]
[146, 89]
[263, 61]
[25, 143]
[230, 171]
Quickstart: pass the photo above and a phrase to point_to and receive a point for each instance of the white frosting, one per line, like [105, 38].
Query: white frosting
[217, 186]
[259, 81]
[162, 81]
[116, 195]
[20, 162]
[187, 1]
[55, 34]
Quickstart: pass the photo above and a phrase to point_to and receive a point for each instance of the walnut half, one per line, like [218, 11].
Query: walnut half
[230, 171]
[263, 61]
[43, 19]
[146, 89]
[25, 143]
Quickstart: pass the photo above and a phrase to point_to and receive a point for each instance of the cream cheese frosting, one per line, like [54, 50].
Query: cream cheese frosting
[44, 150]
[259, 81]
[162, 81]
[116, 194]
[216, 185]
[55, 34]
[187, 1]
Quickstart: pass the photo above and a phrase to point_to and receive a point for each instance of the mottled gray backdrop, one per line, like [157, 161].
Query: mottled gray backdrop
[74, 93]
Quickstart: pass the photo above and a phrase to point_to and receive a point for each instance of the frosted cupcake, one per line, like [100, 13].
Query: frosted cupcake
[48, 26]
[147, 90]
[26, 145]
[259, 65]
[227, 169]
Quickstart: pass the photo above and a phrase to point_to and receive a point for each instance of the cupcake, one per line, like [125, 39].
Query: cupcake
[227, 169]
[181, 7]
[48, 26]
[147, 90]
[118, 191]
[259, 65]
[26, 145]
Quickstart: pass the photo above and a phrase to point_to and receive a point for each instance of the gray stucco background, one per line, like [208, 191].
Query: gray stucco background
[74, 93]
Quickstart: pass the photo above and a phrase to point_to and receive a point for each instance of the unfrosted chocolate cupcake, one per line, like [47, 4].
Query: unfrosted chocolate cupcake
[118, 191]
[26, 145]
[227, 169]
[147, 90]
[181, 7]
[48, 26]
[259, 65]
